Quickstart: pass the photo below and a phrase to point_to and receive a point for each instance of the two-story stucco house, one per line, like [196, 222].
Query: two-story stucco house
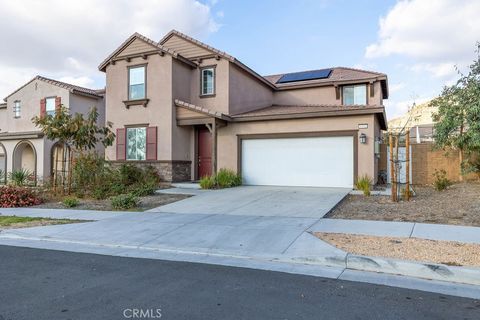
[22, 144]
[190, 109]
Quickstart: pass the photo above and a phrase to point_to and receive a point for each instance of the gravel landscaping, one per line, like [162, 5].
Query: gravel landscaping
[444, 252]
[146, 203]
[459, 204]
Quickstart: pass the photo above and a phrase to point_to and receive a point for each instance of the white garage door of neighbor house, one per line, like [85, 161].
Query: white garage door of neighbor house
[308, 162]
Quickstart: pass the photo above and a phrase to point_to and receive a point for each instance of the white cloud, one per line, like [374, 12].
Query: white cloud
[68, 39]
[395, 87]
[79, 81]
[437, 30]
[439, 70]
[395, 109]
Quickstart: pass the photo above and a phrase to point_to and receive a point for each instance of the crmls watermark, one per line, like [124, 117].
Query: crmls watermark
[136, 313]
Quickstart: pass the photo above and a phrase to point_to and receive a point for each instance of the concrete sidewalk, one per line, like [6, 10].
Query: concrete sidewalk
[399, 229]
[264, 242]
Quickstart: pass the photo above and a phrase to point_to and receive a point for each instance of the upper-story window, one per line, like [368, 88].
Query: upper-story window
[136, 83]
[50, 106]
[16, 109]
[207, 81]
[355, 95]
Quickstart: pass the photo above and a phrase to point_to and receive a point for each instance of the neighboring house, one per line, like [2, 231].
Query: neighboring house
[190, 109]
[22, 144]
[419, 120]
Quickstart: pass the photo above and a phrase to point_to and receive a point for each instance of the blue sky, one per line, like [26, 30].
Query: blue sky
[416, 43]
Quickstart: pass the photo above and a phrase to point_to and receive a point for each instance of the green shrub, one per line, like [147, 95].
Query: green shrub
[225, 178]
[207, 182]
[124, 201]
[142, 190]
[70, 202]
[130, 174]
[441, 181]
[20, 177]
[364, 183]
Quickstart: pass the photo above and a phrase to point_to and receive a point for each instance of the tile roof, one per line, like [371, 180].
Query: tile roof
[137, 35]
[223, 54]
[196, 108]
[296, 109]
[70, 87]
[3, 105]
[338, 74]
[276, 112]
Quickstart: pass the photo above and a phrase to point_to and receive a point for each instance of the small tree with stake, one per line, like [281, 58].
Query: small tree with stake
[75, 132]
[458, 118]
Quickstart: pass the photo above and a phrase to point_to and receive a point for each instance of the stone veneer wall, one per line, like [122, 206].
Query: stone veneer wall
[171, 171]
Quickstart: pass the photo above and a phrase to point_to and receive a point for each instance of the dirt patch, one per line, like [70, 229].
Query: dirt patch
[146, 203]
[458, 205]
[444, 252]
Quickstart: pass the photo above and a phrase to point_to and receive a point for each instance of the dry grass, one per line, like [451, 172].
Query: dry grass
[14, 222]
[444, 252]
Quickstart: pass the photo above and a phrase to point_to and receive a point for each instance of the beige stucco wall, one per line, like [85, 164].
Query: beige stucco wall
[159, 110]
[321, 95]
[246, 92]
[218, 102]
[38, 144]
[30, 97]
[228, 144]
[182, 136]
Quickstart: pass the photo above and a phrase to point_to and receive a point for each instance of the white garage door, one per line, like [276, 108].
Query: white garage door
[313, 162]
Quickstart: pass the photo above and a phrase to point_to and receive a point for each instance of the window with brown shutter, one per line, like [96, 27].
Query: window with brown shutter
[43, 107]
[58, 104]
[121, 148]
[151, 143]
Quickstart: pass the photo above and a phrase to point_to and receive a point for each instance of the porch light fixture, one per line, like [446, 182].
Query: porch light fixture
[363, 138]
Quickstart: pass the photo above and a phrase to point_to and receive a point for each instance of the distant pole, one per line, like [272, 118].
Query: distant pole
[407, 156]
[390, 142]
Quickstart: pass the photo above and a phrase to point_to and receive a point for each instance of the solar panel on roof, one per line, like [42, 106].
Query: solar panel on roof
[305, 75]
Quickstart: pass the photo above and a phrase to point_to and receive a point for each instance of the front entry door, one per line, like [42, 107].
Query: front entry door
[204, 160]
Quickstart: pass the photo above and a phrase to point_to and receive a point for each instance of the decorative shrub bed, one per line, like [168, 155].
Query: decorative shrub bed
[224, 178]
[12, 196]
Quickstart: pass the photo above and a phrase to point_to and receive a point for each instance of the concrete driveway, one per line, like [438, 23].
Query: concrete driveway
[260, 201]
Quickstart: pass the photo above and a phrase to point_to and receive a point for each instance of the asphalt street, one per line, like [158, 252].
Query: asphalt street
[44, 284]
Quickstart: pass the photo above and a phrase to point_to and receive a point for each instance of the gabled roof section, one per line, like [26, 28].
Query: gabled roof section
[217, 52]
[70, 87]
[276, 112]
[137, 37]
[339, 75]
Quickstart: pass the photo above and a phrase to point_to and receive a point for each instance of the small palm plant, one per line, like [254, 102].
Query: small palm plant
[20, 177]
[364, 183]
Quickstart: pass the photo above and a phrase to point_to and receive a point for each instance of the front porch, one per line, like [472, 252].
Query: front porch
[206, 124]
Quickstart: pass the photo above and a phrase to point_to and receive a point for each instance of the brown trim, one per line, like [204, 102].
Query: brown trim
[195, 154]
[319, 114]
[309, 134]
[329, 83]
[144, 65]
[208, 95]
[366, 84]
[194, 121]
[21, 135]
[151, 161]
[138, 102]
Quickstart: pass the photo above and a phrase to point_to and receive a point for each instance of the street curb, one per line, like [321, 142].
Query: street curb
[431, 271]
